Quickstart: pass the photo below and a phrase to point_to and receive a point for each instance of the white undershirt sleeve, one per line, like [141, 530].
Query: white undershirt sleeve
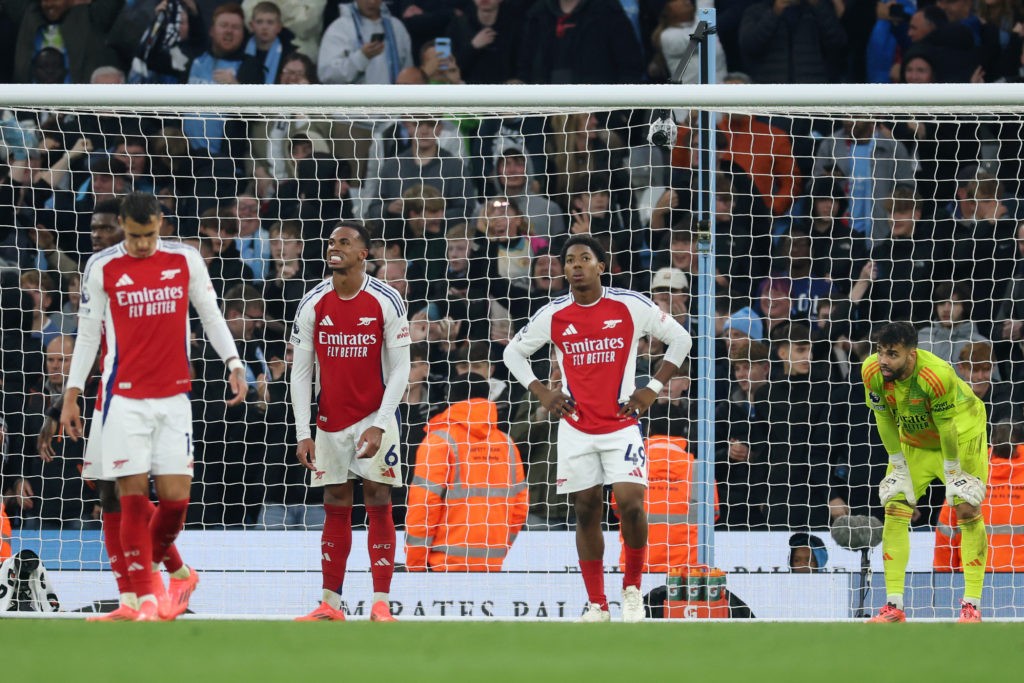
[531, 337]
[302, 391]
[665, 328]
[91, 314]
[394, 384]
[87, 344]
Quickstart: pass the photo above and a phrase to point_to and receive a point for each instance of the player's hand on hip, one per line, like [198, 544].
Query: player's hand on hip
[71, 417]
[558, 404]
[968, 487]
[638, 403]
[896, 482]
[369, 442]
[306, 454]
[239, 386]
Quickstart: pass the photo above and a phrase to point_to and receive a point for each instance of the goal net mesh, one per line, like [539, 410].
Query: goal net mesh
[827, 225]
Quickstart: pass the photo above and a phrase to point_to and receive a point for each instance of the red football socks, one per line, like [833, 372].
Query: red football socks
[381, 544]
[164, 528]
[136, 543]
[171, 558]
[634, 565]
[335, 544]
[593, 579]
[112, 542]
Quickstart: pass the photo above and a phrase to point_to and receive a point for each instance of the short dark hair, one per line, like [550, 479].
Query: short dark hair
[140, 207]
[470, 385]
[419, 351]
[895, 334]
[108, 166]
[587, 241]
[108, 206]
[935, 15]
[307, 64]
[792, 333]
[364, 234]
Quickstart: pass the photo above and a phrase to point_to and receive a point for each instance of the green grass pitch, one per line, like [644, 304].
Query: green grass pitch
[222, 651]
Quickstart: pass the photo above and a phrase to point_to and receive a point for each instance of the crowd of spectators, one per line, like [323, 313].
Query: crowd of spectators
[825, 227]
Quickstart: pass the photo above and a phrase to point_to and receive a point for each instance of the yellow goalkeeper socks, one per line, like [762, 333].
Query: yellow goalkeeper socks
[974, 555]
[896, 547]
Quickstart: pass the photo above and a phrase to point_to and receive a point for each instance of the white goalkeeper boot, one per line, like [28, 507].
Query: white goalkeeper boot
[632, 605]
[593, 614]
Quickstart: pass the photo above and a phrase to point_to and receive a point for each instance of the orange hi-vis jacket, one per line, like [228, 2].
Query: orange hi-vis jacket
[5, 534]
[1003, 511]
[468, 498]
[671, 509]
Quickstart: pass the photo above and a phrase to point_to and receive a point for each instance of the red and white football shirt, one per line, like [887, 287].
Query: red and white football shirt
[596, 348]
[144, 306]
[350, 338]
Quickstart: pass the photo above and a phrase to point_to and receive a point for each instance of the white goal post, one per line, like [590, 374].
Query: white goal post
[803, 203]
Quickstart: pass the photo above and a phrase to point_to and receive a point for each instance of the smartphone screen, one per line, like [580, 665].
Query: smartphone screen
[377, 38]
[443, 47]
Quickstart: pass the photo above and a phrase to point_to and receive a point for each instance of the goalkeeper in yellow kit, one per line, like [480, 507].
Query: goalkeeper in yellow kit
[932, 426]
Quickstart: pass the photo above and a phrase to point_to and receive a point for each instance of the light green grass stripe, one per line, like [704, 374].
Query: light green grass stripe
[202, 651]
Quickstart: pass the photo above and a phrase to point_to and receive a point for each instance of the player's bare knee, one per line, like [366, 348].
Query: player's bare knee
[588, 506]
[134, 485]
[173, 487]
[376, 494]
[338, 494]
[633, 522]
[107, 492]
[631, 512]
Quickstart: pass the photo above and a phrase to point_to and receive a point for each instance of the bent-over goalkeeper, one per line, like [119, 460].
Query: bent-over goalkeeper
[932, 426]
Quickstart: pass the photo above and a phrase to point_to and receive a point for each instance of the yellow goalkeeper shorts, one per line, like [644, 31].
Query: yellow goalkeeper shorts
[926, 464]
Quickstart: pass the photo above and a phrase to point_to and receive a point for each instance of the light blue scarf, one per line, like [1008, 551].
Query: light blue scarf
[271, 63]
[390, 44]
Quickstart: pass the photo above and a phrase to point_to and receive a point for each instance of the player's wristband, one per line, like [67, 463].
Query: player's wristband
[951, 467]
[235, 364]
[656, 386]
[897, 460]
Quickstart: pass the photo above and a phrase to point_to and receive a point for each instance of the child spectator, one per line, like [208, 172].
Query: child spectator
[270, 40]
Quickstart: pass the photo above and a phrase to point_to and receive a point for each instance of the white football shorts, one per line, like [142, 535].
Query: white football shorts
[588, 460]
[336, 460]
[92, 463]
[147, 435]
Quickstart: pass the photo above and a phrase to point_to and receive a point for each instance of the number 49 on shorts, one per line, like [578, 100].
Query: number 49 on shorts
[635, 455]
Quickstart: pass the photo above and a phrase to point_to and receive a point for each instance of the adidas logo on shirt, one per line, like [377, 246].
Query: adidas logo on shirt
[571, 329]
[124, 281]
[326, 321]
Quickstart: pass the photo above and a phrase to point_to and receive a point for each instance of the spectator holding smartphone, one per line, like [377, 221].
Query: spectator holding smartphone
[365, 44]
[438, 63]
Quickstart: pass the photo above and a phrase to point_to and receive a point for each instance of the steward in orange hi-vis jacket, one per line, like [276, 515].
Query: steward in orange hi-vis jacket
[1003, 512]
[671, 508]
[468, 498]
[5, 534]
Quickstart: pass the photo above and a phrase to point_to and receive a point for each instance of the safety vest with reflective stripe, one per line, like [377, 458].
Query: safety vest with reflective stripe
[5, 534]
[1003, 511]
[468, 498]
[671, 510]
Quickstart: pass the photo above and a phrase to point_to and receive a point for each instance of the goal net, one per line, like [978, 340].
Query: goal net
[829, 219]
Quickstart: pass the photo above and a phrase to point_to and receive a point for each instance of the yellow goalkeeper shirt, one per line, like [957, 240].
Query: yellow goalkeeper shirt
[930, 408]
